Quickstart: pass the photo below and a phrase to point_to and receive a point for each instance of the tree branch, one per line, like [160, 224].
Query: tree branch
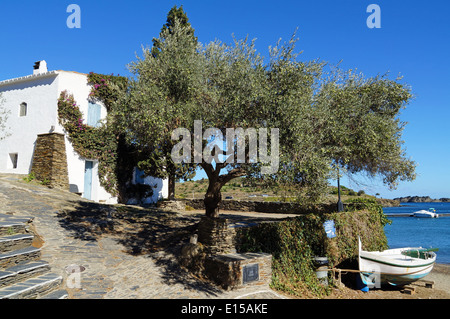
[236, 172]
[209, 170]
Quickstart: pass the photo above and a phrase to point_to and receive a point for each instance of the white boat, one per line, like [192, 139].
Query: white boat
[430, 213]
[399, 266]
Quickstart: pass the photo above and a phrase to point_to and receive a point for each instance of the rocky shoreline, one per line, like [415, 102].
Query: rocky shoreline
[388, 202]
[421, 199]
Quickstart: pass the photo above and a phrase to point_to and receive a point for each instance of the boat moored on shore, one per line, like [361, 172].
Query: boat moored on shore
[398, 267]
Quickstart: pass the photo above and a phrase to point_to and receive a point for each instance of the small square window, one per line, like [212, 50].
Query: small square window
[14, 158]
[23, 109]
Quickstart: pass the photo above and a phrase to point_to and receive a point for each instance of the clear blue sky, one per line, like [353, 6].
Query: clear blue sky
[414, 40]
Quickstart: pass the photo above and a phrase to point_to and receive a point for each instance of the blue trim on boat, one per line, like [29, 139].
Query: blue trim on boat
[395, 280]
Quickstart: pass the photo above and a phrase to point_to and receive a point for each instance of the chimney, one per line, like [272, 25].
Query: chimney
[40, 67]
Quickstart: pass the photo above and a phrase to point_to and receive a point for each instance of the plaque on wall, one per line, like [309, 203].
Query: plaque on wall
[250, 273]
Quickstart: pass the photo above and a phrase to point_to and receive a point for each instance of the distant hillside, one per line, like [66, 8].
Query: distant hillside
[421, 199]
[238, 189]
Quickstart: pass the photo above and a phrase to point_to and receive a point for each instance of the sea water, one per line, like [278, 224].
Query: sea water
[420, 232]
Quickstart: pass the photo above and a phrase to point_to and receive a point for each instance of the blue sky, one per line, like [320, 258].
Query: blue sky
[414, 41]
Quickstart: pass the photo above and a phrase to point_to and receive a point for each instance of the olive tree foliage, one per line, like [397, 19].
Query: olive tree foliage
[175, 14]
[358, 124]
[159, 99]
[326, 117]
[245, 91]
[3, 118]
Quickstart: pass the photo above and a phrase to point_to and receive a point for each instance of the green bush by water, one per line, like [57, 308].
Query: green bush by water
[294, 242]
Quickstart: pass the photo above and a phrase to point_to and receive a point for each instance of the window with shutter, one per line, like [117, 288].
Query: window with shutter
[93, 117]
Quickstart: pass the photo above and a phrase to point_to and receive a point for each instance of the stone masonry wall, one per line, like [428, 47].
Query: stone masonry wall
[221, 263]
[50, 160]
[259, 206]
[216, 235]
[227, 270]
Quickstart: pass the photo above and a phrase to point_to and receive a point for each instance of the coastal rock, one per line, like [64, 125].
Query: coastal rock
[388, 202]
[421, 199]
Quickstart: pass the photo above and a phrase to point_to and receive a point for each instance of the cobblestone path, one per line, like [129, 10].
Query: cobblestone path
[111, 270]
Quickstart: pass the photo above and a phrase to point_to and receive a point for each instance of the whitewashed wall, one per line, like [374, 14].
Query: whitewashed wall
[41, 93]
[160, 190]
[76, 84]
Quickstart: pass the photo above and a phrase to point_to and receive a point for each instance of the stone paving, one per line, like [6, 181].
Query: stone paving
[110, 271]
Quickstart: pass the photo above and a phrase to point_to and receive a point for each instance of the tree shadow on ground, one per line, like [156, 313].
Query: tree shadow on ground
[84, 220]
[141, 231]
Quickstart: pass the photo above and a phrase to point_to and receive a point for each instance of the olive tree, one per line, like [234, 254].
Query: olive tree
[159, 99]
[218, 106]
[359, 127]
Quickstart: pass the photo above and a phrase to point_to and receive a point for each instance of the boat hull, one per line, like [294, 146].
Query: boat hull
[375, 272]
[425, 214]
[420, 215]
[393, 267]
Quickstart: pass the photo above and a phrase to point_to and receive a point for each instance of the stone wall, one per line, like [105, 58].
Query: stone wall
[227, 270]
[262, 207]
[50, 160]
[212, 253]
[216, 235]
[175, 205]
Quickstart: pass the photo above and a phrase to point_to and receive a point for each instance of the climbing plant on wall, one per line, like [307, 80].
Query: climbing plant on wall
[98, 143]
[107, 88]
[106, 143]
[89, 142]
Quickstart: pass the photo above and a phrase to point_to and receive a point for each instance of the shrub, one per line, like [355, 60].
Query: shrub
[351, 192]
[294, 242]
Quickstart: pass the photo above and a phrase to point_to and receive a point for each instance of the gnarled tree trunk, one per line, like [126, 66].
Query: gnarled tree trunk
[212, 199]
[213, 195]
[171, 187]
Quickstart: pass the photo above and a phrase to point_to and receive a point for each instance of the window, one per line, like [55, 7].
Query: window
[14, 158]
[93, 117]
[23, 109]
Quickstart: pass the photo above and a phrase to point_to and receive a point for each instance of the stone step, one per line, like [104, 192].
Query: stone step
[32, 288]
[22, 274]
[14, 218]
[18, 256]
[22, 271]
[9, 227]
[14, 242]
[57, 294]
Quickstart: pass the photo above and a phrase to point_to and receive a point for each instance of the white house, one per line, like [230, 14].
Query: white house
[33, 110]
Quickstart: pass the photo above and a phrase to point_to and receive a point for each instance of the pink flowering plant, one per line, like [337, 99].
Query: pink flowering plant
[90, 142]
[106, 88]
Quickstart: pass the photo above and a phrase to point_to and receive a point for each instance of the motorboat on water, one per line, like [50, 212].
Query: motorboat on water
[399, 267]
[430, 213]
